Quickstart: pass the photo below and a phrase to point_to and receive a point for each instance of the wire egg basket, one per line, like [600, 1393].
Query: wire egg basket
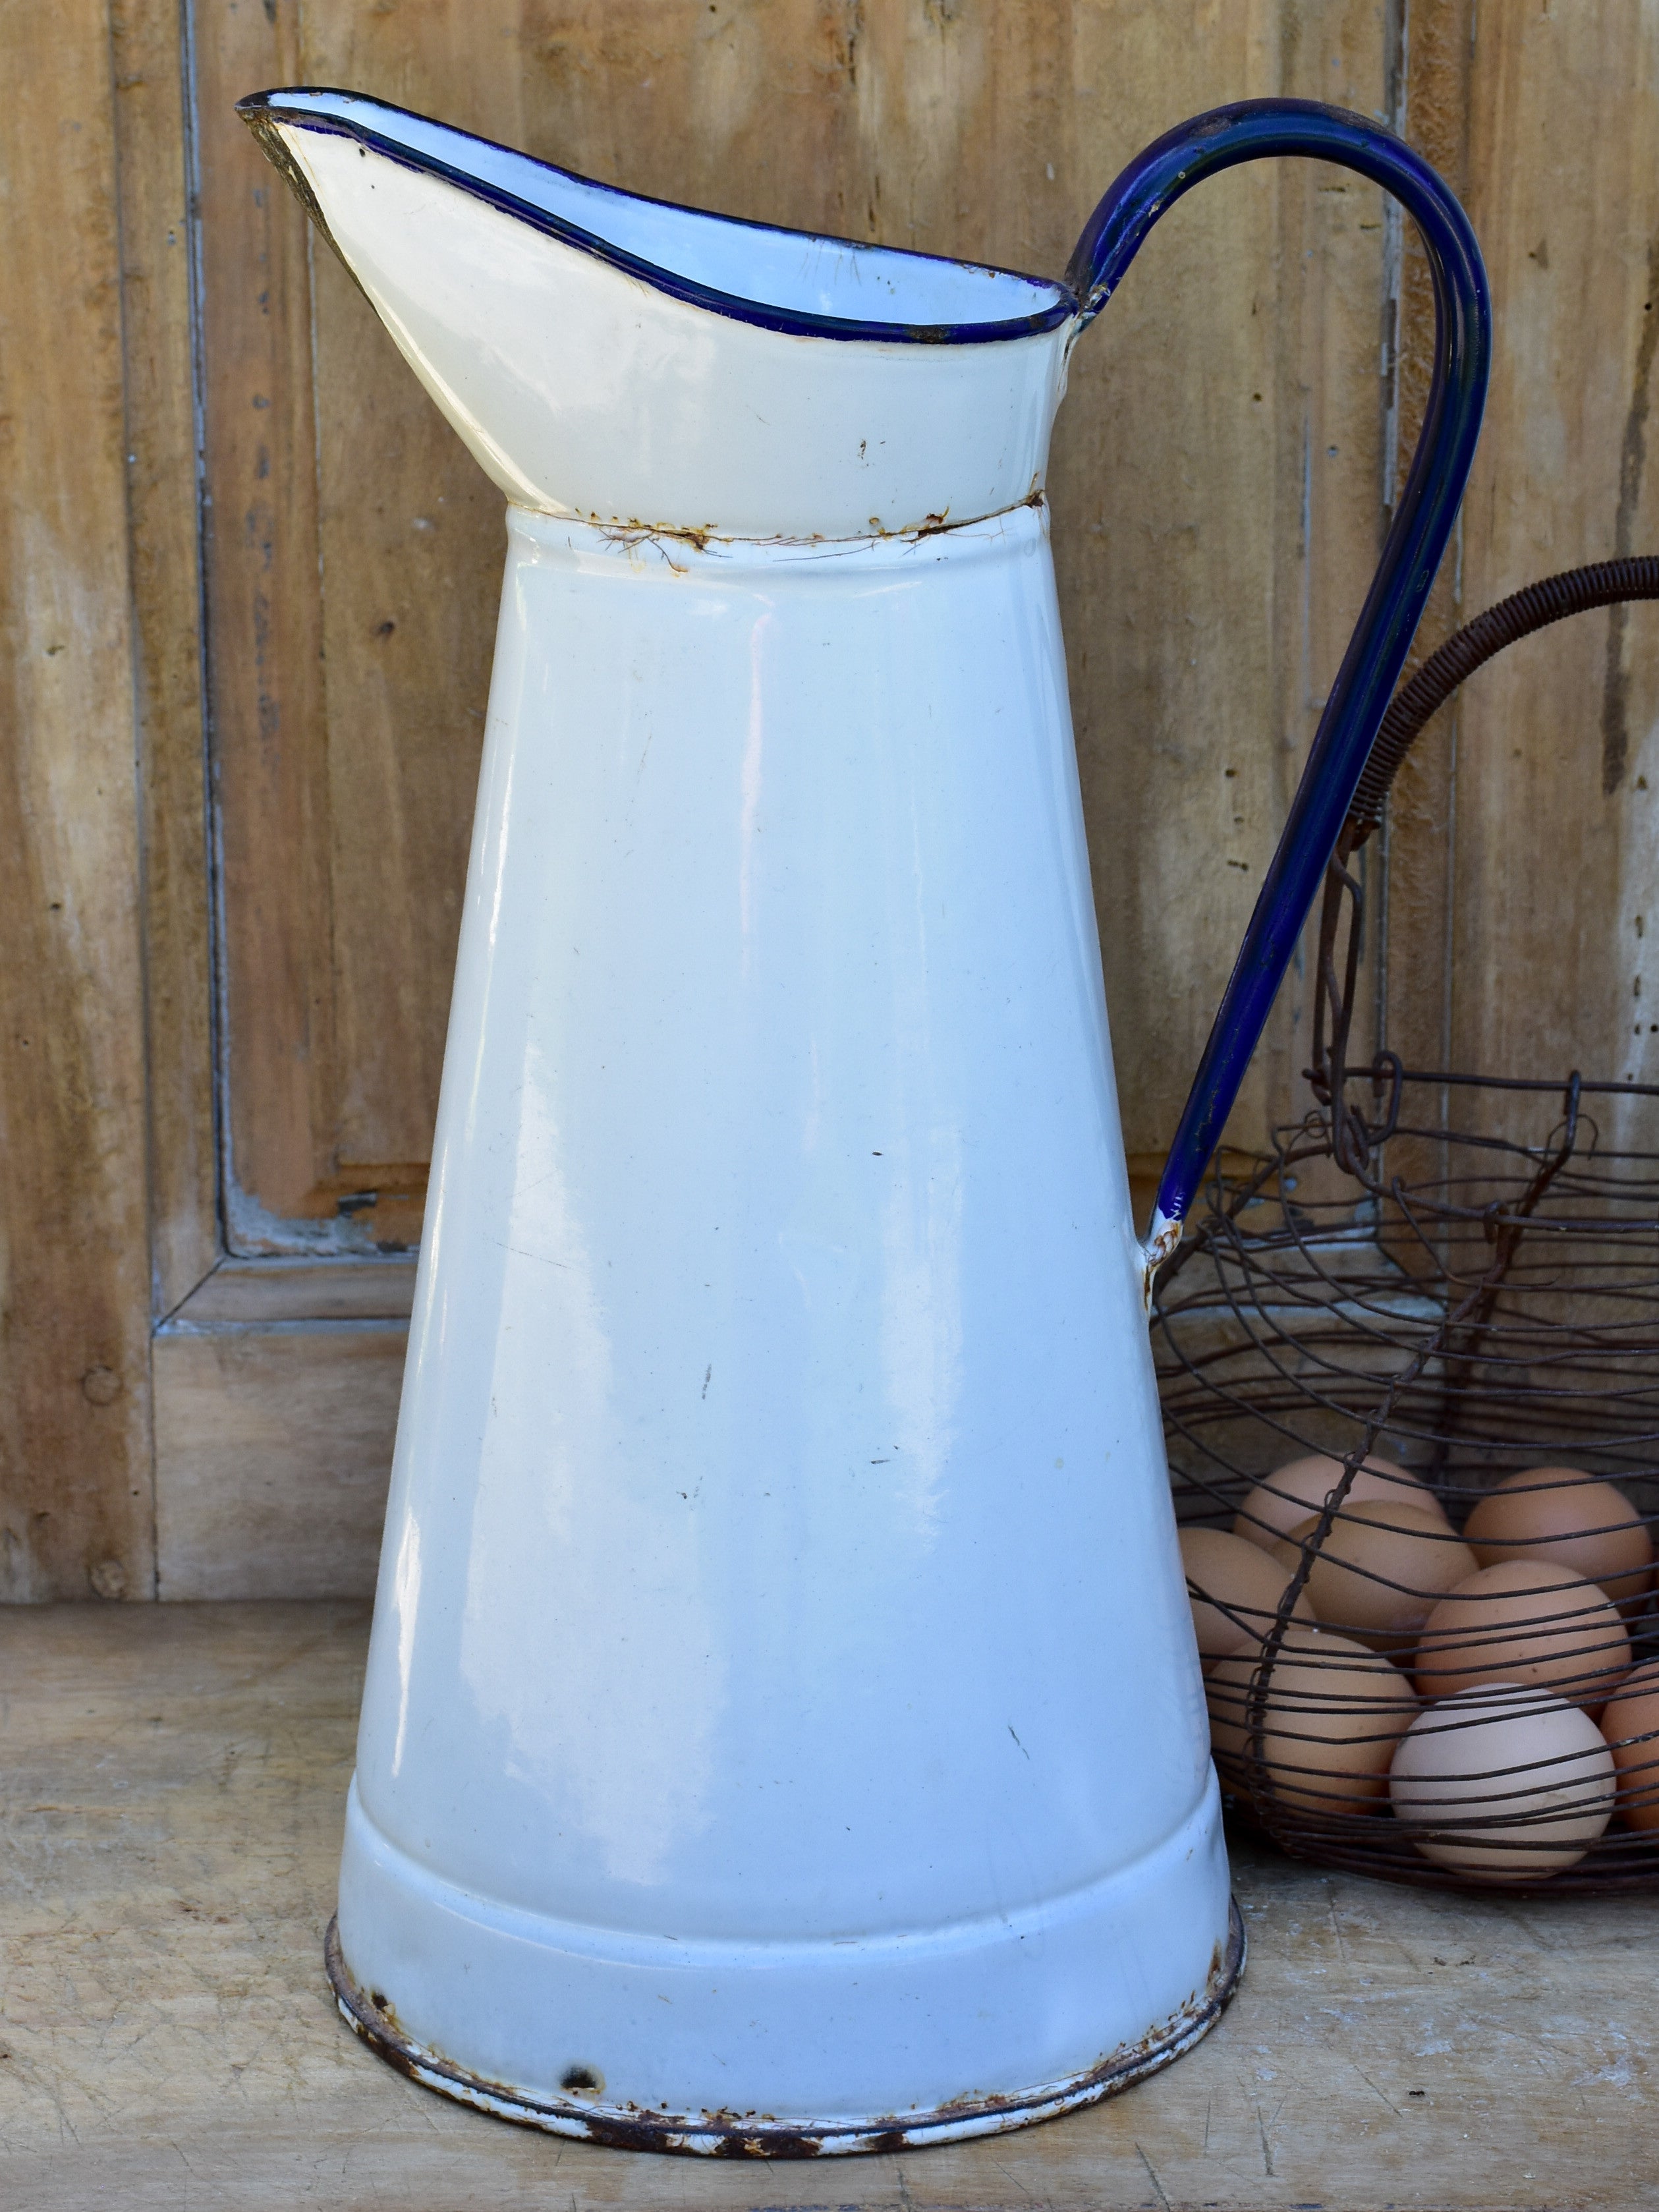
[1409, 1366]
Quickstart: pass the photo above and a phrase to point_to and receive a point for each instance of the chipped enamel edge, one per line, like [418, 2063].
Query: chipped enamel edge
[726, 2135]
[1162, 1239]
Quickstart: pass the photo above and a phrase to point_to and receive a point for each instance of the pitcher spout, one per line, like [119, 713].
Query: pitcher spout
[629, 362]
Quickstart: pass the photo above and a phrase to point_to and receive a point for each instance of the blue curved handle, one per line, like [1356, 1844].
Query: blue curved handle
[1422, 523]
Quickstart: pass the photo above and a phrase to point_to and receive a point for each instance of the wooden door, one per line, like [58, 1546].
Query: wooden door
[279, 571]
[355, 548]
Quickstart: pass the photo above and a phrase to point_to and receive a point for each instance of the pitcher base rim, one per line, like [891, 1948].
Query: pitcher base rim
[729, 2134]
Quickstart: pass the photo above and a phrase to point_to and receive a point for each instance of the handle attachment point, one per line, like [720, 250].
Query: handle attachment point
[1162, 1239]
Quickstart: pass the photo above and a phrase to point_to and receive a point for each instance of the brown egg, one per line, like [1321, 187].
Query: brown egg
[1274, 1507]
[1630, 1729]
[1526, 1621]
[1504, 1783]
[1333, 1714]
[1245, 1584]
[1559, 1513]
[1381, 1570]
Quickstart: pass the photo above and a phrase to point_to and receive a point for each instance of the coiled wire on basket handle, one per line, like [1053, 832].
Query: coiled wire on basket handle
[1551, 599]
[1574, 592]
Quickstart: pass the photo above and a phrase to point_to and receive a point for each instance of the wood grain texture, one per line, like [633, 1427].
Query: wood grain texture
[170, 729]
[301, 1290]
[269, 753]
[1409, 867]
[273, 1448]
[413, 538]
[74, 1446]
[1216, 485]
[1556, 820]
[1216, 488]
[175, 1779]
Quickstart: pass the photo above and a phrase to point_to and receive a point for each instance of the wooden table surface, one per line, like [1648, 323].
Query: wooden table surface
[171, 1787]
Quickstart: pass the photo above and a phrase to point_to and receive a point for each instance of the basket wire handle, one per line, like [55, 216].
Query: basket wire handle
[1114, 234]
[1550, 599]
[1573, 592]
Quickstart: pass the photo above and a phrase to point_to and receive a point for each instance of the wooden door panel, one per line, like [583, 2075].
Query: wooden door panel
[1557, 808]
[298, 1504]
[1215, 489]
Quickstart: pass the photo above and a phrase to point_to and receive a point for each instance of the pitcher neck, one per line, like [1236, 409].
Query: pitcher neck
[621, 550]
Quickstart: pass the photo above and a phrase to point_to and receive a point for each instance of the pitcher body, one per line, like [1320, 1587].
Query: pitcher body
[782, 1666]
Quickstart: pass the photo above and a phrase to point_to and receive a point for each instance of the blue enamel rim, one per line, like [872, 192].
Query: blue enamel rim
[1416, 538]
[261, 110]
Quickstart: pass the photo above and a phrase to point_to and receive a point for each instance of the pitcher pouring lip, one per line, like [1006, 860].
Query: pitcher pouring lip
[693, 254]
[631, 362]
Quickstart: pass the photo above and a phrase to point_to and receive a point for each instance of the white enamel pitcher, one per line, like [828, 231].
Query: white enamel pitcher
[783, 1729]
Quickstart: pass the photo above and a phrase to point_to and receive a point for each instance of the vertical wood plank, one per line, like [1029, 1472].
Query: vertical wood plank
[1557, 862]
[412, 538]
[1412, 865]
[1326, 522]
[1163, 483]
[162, 491]
[270, 756]
[75, 1497]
